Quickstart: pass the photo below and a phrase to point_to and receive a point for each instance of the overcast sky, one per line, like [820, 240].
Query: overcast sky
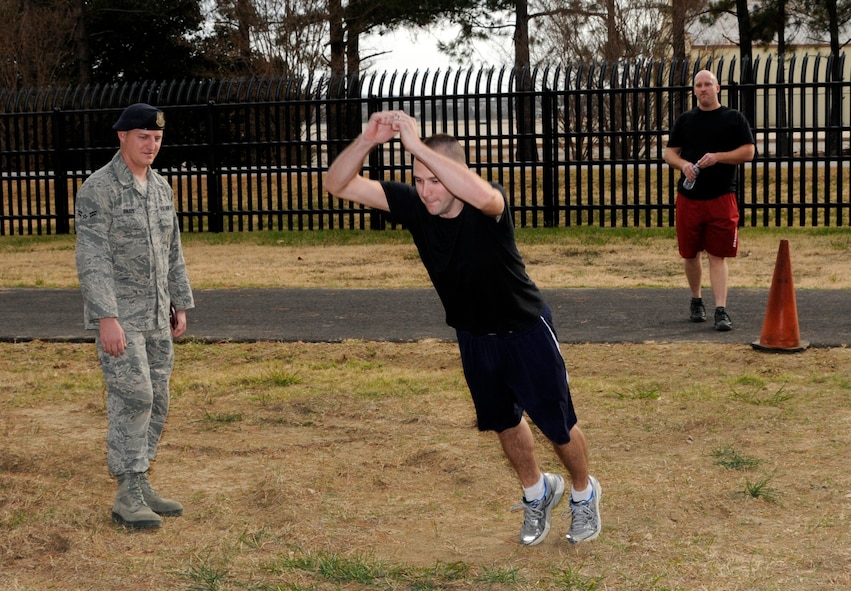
[417, 50]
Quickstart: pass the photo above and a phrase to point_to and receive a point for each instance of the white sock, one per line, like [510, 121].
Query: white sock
[581, 495]
[535, 492]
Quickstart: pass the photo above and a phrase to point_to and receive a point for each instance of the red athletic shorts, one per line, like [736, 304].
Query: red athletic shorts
[711, 225]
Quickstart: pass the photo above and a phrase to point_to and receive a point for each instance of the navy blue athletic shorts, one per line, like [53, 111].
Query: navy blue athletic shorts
[521, 371]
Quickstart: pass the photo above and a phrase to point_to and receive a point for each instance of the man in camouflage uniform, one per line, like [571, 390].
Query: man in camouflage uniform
[132, 273]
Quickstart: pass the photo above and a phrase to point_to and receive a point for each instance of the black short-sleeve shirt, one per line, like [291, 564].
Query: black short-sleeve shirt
[472, 261]
[697, 132]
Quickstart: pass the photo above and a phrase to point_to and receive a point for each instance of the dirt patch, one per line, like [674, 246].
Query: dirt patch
[358, 466]
[293, 458]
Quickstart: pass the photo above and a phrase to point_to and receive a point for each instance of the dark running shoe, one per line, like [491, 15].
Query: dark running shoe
[697, 311]
[722, 319]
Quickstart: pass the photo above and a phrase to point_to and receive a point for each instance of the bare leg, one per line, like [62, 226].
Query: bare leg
[585, 524]
[518, 443]
[574, 456]
[694, 272]
[718, 273]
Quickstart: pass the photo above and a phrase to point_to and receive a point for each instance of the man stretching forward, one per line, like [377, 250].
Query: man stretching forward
[464, 233]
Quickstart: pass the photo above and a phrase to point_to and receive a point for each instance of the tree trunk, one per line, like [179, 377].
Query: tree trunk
[244, 19]
[619, 145]
[612, 51]
[678, 30]
[354, 28]
[337, 41]
[834, 134]
[678, 36]
[527, 144]
[747, 94]
[81, 37]
[336, 126]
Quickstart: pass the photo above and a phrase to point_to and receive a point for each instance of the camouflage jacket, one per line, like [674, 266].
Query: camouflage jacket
[129, 257]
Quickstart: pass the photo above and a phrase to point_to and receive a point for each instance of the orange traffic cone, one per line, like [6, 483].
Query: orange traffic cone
[780, 332]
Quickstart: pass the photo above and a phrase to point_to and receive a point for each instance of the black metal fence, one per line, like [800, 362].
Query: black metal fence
[580, 144]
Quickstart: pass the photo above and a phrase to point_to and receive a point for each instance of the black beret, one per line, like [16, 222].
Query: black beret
[140, 116]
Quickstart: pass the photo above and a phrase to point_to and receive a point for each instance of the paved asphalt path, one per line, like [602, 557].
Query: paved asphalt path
[405, 315]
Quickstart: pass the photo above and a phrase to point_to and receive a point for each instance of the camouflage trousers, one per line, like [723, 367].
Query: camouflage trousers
[137, 399]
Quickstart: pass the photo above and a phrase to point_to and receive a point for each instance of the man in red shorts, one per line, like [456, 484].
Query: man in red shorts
[710, 140]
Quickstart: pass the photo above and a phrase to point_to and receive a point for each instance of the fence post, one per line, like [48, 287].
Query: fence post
[215, 220]
[548, 169]
[60, 183]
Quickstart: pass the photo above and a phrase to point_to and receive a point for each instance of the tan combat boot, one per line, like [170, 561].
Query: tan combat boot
[130, 509]
[158, 504]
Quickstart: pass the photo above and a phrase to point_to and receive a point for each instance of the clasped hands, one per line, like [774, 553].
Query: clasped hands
[384, 125]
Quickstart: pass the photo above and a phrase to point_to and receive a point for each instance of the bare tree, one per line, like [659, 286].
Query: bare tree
[266, 38]
[608, 30]
[37, 42]
[573, 31]
[614, 38]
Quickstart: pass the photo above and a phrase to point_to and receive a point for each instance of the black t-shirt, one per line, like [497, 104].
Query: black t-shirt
[472, 261]
[697, 132]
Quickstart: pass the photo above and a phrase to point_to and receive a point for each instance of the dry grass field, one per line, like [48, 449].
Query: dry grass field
[357, 466]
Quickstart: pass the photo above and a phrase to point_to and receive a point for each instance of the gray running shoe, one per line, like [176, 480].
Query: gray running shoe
[722, 319]
[538, 514]
[696, 310]
[586, 524]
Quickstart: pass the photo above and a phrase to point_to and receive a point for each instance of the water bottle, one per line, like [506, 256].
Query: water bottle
[689, 185]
